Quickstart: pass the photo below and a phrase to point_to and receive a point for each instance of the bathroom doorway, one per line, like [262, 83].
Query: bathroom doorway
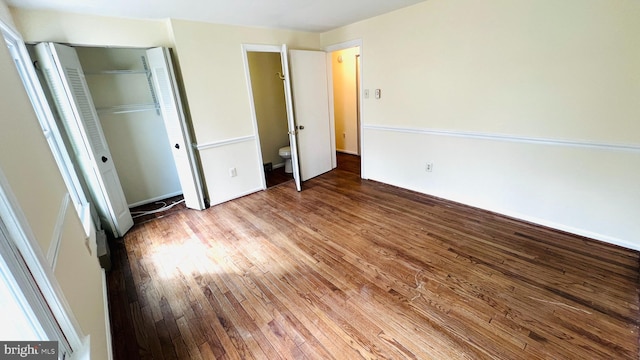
[266, 83]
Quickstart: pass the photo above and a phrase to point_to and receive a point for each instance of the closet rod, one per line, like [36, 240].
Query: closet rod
[117, 72]
[124, 109]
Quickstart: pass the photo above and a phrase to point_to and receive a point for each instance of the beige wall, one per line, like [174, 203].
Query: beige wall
[531, 67]
[345, 99]
[493, 77]
[44, 25]
[30, 169]
[214, 76]
[5, 14]
[215, 82]
[472, 86]
[212, 72]
[268, 99]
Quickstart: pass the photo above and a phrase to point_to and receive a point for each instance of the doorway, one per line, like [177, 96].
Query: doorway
[267, 91]
[346, 80]
[345, 67]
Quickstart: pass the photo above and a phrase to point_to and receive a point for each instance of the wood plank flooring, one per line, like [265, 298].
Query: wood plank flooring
[353, 269]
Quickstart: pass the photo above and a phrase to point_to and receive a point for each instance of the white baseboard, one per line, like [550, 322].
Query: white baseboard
[157, 198]
[277, 166]
[347, 152]
[224, 200]
[107, 320]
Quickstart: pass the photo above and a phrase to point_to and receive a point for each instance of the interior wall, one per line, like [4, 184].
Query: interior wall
[212, 71]
[526, 108]
[345, 99]
[211, 62]
[269, 103]
[39, 189]
[138, 140]
[5, 14]
[77, 29]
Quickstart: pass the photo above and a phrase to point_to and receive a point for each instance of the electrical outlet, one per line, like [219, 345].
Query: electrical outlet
[429, 167]
[233, 172]
[378, 93]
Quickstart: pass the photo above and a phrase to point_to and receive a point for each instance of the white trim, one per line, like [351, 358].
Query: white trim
[157, 198]
[348, 152]
[261, 48]
[107, 318]
[54, 246]
[237, 196]
[570, 229]
[84, 353]
[532, 219]
[26, 243]
[48, 124]
[246, 48]
[344, 45]
[504, 137]
[277, 166]
[220, 143]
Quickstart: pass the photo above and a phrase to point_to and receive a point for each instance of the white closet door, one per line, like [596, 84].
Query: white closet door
[311, 107]
[66, 80]
[165, 84]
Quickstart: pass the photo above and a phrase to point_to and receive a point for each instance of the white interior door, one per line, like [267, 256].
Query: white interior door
[311, 109]
[165, 84]
[293, 141]
[66, 80]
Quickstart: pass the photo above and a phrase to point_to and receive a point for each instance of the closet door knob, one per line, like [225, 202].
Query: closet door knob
[104, 159]
[177, 146]
[301, 127]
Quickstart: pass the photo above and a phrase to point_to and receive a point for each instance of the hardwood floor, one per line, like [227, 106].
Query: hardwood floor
[352, 269]
[277, 177]
[348, 162]
[158, 209]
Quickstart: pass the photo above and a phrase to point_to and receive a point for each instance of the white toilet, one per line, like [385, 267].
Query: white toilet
[285, 153]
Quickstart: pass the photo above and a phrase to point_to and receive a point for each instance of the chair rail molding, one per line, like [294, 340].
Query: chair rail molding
[220, 143]
[506, 137]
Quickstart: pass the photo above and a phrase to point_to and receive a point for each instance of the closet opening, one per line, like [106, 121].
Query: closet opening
[122, 118]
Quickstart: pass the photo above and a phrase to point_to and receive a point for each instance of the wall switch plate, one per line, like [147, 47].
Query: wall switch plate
[233, 172]
[366, 93]
[378, 93]
[429, 167]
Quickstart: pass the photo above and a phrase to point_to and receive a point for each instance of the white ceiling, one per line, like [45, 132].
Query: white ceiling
[306, 15]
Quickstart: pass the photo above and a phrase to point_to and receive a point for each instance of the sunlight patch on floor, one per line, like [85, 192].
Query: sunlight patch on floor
[188, 257]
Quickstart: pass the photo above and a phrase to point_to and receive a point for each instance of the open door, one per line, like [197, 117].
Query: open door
[311, 109]
[165, 84]
[67, 83]
[293, 141]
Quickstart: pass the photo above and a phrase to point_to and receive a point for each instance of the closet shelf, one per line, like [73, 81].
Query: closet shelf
[129, 108]
[117, 72]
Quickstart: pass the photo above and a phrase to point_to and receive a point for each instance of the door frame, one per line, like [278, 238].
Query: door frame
[330, 49]
[246, 48]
